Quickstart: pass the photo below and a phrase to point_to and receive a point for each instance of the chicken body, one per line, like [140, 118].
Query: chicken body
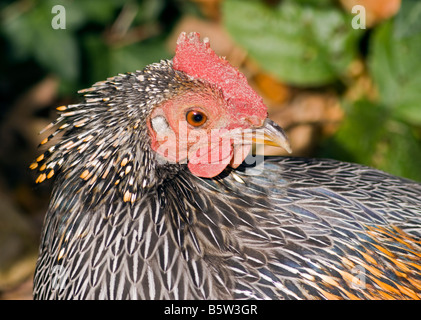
[131, 220]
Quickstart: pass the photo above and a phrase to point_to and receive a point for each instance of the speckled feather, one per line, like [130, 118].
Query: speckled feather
[124, 225]
[302, 229]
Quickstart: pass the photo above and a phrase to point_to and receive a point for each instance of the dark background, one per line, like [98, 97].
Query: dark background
[340, 92]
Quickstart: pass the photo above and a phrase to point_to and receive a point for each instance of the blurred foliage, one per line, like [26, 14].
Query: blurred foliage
[305, 44]
[408, 21]
[384, 132]
[313, 52]
[96, 42]
[394, 62]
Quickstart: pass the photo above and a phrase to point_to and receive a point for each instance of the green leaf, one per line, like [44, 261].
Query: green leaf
[149, 10]
[97, 55]
[408, 20]
[137, 56]
[300, 43]
[370, 136]
[403, 151]
[395, 64]
[106, 61]
[97, 11]
[319, 3]
[57, 51]
[362, 129]
[32, 35]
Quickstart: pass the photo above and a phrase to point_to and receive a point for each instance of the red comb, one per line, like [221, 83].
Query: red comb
[197, 59]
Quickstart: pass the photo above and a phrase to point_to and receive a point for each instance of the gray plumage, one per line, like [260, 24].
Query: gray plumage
[124, 225]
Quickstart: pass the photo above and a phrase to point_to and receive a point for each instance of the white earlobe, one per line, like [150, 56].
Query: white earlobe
[160, 125]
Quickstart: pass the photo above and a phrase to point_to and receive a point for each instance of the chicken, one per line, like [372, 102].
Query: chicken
[156, 197]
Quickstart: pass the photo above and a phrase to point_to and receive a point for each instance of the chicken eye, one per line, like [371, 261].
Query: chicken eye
[196, 118]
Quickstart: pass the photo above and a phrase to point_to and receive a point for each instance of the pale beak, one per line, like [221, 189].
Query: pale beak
[271, 134]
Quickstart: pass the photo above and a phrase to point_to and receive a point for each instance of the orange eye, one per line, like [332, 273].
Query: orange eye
[196, 118]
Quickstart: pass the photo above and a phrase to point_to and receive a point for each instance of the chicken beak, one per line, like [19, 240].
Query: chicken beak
[271, 134]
